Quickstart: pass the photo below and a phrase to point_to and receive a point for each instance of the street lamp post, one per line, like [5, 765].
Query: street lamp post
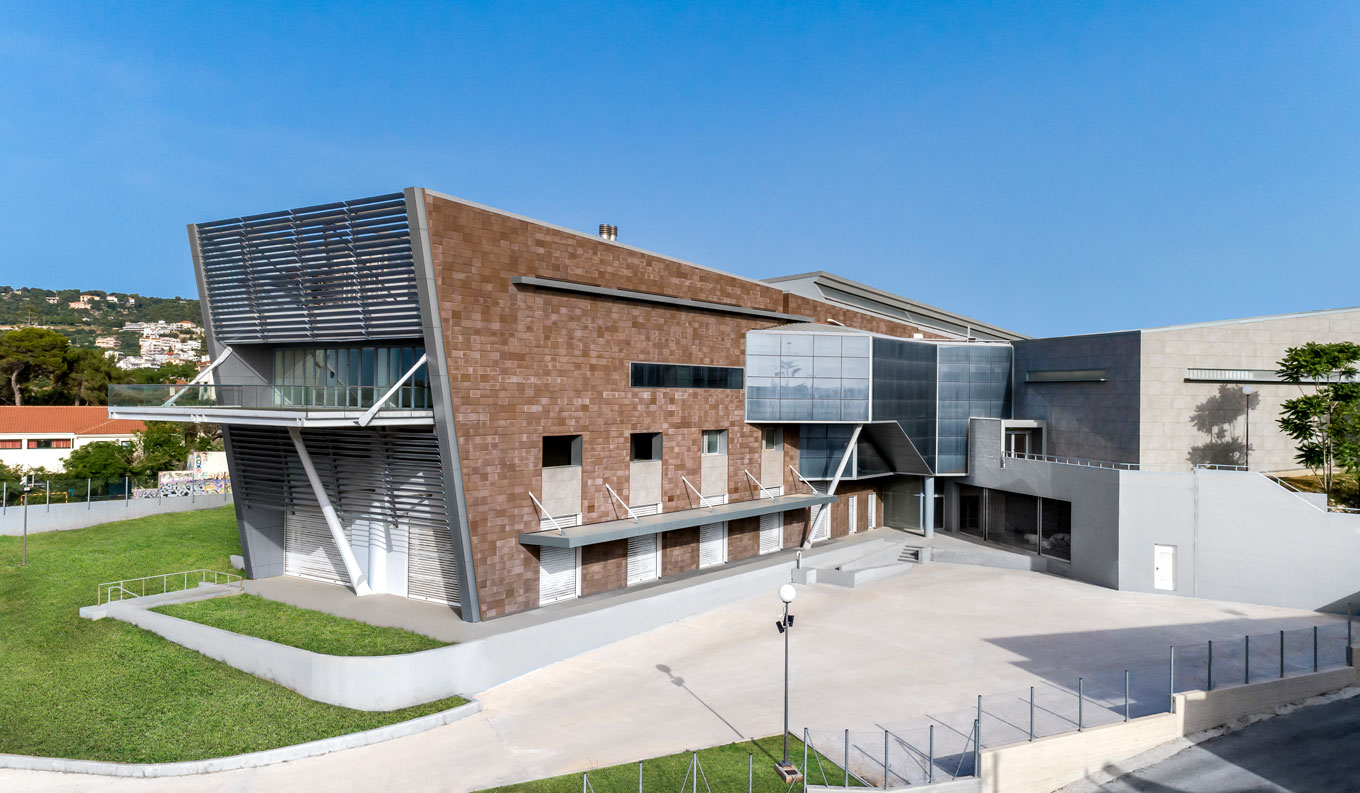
[1247, 391]
[788, 771]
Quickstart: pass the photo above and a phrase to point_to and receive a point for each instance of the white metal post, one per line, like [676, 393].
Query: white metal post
[356, 575]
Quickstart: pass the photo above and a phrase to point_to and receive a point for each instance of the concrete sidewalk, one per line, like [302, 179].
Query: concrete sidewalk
[896, 652]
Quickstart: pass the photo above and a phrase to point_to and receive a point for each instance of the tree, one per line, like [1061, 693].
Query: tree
[100, 460]
[1323, 419]
[161, 447]
[87, 378]
[32, 354]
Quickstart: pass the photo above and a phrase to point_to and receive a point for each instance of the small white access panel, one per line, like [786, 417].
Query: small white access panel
[644, 560]
[1164, 567]
[556, 574]
[712, 544]
[771, 532]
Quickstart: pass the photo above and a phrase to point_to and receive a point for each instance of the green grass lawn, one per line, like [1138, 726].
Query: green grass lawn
[317, 631]
[724, 767]
[107, 690]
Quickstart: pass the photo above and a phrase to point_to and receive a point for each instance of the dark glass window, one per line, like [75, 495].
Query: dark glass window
[50, 444]
[561, 450]
[646, 446]
[672, 375]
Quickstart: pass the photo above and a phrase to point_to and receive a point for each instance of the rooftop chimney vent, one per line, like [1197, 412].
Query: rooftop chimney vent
[609, 232]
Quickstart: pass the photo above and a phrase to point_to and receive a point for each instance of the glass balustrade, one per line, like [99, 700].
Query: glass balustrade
[269, 397]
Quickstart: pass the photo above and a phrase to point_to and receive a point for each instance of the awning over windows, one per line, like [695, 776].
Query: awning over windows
[610, 530]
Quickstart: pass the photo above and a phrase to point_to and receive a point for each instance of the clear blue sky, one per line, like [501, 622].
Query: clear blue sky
[1053, 168]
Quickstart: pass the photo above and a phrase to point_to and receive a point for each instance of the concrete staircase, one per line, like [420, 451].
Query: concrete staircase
[883, 558]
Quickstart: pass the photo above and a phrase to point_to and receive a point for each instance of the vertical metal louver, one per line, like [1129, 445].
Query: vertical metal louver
[334, 272]
[389, 476]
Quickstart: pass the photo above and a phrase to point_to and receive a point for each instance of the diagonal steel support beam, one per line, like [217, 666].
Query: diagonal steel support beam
[373, 411]
[825, 513]
[198, 378]
[356, 576]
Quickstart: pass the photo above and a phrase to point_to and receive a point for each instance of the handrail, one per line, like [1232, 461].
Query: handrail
[804, 481]
[1221, 467]
[373, 411]
[764, 491]
[560, 531]
[200, 377]
[1080, 461]
[626, 508]
[1297, 491]
[702, 499]
[110, 586]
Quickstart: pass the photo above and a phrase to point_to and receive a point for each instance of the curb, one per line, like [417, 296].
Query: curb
[282, 754]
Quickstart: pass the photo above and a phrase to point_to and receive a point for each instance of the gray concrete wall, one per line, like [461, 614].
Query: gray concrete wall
[1239, 536]
[1093, 492]
[1185, 422]
[1098, 421]
[60, 517]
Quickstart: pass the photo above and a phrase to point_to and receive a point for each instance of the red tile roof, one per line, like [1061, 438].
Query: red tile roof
[78, 420]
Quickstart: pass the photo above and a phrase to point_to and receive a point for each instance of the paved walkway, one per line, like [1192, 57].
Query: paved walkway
[918, 644]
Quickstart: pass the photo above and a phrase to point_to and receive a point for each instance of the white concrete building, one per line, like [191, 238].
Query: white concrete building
[42, 437]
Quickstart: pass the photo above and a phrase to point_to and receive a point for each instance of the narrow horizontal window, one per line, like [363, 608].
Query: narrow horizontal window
[1066, 376]
[672, 375]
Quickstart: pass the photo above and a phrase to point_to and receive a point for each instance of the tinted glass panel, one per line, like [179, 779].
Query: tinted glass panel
[670, 375]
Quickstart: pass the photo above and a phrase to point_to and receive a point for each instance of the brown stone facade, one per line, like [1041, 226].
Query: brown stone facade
[525, 362]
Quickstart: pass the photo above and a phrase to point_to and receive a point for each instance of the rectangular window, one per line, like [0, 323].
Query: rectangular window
[670, 375]
[12, 444]
[772, 438]
[646, 446]
[561, 450]
[715, 442]
[49, 443]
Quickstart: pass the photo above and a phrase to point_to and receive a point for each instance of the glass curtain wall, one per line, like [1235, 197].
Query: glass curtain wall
[349, 377]
[904, 390]
[815, 376]
[974, 383]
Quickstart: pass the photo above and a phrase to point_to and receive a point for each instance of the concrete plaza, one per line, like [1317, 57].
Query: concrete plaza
[893, 654]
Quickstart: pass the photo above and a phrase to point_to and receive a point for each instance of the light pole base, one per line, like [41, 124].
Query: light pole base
[788, 772]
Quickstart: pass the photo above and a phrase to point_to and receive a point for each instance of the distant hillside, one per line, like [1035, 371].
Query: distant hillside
[101, 317]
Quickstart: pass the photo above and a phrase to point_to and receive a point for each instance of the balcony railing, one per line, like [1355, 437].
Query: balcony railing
[268, 397]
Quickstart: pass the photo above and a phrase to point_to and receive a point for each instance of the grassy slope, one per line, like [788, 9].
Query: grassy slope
[724, 767]
[109, 691]
[311, 630]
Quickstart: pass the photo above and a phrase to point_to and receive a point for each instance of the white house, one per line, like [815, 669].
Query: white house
[32, 437]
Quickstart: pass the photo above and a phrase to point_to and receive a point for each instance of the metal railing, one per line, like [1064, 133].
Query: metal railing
[168, 582]
[1081, 461]
[1282, 483]
[950, 744]
[269, 397]
[44, 493]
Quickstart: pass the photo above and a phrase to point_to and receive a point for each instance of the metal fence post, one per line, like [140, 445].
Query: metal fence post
[4, 499]
[1211, 666]
[977, 749]
[48, 482]
[694, 783]
[87, 492]
[1281, 653]
[846, 765]
[1315, 665]
[1350, 660]
[1126, 695]
[1171, 668]
[885, 759]
[930, 758]
[1081, 705]
[750, 773]
[979, 715]
[127, 491]
[1246, 660]
[1031, 713]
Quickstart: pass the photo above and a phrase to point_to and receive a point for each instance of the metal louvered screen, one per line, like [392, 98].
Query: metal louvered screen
[335, 272]
[389, 476]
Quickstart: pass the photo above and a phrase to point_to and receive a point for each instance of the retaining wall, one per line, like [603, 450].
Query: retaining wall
[399, 681]
[80, 515]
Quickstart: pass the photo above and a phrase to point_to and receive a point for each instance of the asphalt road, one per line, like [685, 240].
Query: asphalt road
[1312, 750]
